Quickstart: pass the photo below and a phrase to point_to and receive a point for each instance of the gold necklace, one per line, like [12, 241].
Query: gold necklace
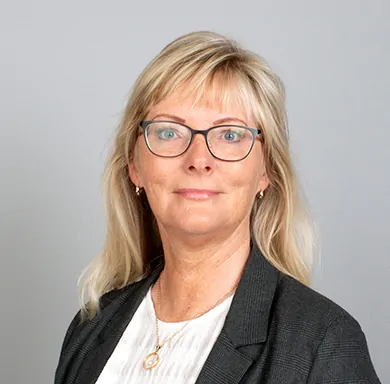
[153, 358]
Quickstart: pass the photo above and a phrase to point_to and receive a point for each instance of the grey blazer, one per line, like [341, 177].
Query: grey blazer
[277, 331]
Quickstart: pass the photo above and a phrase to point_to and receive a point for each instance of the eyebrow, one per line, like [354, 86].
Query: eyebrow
[216, 122]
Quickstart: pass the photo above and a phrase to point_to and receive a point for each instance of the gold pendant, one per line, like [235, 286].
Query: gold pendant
[152, 359]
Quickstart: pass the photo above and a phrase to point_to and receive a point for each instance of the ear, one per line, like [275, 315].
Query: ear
[263, 182]
[134, 172]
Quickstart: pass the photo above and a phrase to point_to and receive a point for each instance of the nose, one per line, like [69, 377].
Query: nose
[198, 157]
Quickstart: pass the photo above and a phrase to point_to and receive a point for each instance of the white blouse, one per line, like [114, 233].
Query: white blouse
[181, 358]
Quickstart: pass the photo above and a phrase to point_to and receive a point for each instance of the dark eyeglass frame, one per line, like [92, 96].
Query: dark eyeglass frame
[255, 132]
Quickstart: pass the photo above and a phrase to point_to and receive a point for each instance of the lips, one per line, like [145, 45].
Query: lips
[197, 194]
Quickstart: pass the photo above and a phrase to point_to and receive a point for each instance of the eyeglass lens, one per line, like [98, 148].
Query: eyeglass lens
[170, 139]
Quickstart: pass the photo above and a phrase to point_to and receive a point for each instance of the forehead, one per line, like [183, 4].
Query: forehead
[211, 105]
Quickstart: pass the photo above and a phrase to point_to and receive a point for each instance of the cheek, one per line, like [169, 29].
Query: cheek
[242, 175]
[156, 172]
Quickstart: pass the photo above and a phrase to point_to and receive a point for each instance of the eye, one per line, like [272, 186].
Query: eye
[230, 135]
[166, 133]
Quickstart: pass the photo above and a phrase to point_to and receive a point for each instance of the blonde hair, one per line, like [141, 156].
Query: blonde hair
[212, 67]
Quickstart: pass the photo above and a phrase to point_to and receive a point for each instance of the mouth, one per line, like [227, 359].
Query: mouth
[197, 194]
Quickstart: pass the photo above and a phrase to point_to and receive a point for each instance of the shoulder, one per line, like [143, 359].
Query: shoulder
[106, 302]
[304, 298]
[317, 327]
[300, 304]
[84, 331]
[109, 303]
[313, 328]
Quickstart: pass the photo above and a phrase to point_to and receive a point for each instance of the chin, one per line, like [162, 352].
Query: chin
[199, 225]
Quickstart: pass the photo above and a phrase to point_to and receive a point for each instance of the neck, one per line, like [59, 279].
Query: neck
[196, 277]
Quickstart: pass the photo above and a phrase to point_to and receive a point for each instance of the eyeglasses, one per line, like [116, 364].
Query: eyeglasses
[225, 142]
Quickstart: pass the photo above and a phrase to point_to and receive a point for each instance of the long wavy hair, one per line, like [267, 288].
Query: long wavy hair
[214, 68]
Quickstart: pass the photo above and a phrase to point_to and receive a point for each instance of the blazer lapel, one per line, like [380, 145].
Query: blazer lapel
[225, 364]
[246, 323]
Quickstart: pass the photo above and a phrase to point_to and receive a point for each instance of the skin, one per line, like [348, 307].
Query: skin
[205, 241]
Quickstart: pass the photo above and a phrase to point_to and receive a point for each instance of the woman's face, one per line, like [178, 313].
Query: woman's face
[195, 193]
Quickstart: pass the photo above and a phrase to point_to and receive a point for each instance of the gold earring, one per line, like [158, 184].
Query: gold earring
[260, 194]
[137, 190]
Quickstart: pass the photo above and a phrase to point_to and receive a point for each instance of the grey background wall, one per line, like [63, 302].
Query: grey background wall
[65, 72]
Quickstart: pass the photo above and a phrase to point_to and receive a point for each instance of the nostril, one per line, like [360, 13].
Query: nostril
[206, 168]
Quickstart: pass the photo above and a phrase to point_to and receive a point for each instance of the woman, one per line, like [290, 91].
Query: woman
[205, 271]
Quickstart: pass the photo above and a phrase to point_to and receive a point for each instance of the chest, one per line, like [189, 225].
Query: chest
[186, 346]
